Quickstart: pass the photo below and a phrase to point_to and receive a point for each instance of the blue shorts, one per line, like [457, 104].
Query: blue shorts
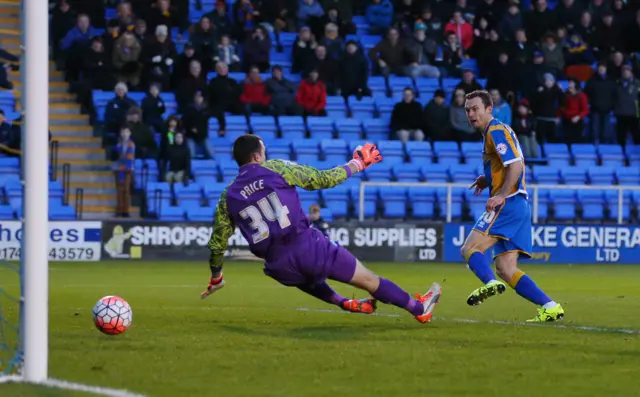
[511, 225]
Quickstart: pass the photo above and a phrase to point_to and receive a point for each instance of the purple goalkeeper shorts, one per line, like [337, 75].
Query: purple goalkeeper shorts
[310, 259]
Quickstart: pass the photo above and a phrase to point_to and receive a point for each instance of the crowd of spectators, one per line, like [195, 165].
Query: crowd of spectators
[521, 52]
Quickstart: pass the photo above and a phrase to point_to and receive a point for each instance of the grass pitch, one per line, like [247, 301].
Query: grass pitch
[252, 339]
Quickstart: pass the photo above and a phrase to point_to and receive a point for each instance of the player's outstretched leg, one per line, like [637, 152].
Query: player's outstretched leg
[388, 292]
[473, 252]
[507, 268]
[325, 293]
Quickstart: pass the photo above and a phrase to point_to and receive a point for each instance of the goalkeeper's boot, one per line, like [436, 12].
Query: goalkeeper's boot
[547, 315]
[483, 293]
[366, 306]
[429, 302]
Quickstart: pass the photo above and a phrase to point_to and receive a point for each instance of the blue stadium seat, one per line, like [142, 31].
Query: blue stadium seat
[385, 107]
[435, 172]
[279, 149]
[6, 212]
[290, 124]
[399, 83]
[188, 195]
[267, 136]
[450, 83]
[564, 204]
[381, 172]
[321, 127]
[543, 203]
[200, 214]
[59, 212]
[472, 151]
[204, 168]
[447, 152]
[611, 155]
[363, 108]
[574, 175]
[377, 84]
[370, 201]
[336, 107]
[423, 201]
[633, 154]
[228, 169]
[9, 165]
[557, 154]
[55, 189]
[222, 147]
[546, 174]
[293, 136]
[592, 204]
[308, 196]
[601, 175]
[584, 154]
[306, 150]
[427, 84]
[213, 191]
[334, 150]
[392, 151]
[477, 204]
[349, 129]
[337, 200]
[393, 200]
[628, 175]
[419, 151]
[463, 173]
[237, 124]
[457, 195]
[407, 172]
[611, 198]
[168, 213]
[375, 128]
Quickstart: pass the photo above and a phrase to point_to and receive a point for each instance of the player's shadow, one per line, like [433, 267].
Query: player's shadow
[328, 333]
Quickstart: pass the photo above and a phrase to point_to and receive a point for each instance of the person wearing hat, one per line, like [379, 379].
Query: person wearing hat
[546, 104]
[601, 92]
[423, 50]
[625, 109]
[303, 50]
[511, 21]
[540, 20]
[283, 94]
[608, 34]
[436, 118]
[553, 54]
[160, 56]
[110, 36]
[354, 71]
[219, 17]
[406, 123]
[523, 127]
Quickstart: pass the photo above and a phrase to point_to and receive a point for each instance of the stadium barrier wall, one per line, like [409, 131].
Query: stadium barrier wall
[187, 241]
[68, 241]
[564, 244]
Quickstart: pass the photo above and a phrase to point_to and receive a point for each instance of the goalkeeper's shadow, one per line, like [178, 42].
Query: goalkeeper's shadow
[328, 333]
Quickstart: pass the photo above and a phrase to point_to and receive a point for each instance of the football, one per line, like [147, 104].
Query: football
[112, 315]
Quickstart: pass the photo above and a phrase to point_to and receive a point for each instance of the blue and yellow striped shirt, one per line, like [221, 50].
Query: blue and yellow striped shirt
[501, 148]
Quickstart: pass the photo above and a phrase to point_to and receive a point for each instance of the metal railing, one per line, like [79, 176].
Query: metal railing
[79, 203]
[533, 191]
[54, 147]
[66, 183]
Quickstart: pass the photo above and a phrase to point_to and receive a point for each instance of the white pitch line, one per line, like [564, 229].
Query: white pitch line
[61, 384]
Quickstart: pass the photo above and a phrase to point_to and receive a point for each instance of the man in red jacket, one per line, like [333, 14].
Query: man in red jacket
[462, 29]
[576, 108]
[254, 93]
[312, 95]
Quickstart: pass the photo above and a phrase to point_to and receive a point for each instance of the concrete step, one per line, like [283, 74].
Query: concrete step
[107, 210]
[133, 216]
[68, 119]
[66, 155]
[54, 86]
[85, 145]
[7, 22]
[100, 177]
[95, 201]
[85, 165]
[64, 109]
[54, 76]
[74, 185]
[100, 185]
[71, 131]
[15, 32]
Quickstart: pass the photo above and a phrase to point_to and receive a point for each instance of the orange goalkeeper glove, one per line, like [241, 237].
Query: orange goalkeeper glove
[214, 285]
[365, 156]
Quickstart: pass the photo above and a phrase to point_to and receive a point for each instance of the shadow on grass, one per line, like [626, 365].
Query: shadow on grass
[327, 333]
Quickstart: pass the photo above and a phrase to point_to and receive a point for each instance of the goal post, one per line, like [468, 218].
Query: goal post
[35, 158]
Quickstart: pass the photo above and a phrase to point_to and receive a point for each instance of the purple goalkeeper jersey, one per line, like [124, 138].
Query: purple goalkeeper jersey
[263, 203]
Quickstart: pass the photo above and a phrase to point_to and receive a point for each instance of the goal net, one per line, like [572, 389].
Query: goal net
[10, 318]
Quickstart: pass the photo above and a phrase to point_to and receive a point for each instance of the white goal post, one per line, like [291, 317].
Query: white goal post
[532, 188]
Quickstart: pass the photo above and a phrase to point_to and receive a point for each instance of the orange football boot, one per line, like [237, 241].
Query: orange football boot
[429, 302]
[366, 306]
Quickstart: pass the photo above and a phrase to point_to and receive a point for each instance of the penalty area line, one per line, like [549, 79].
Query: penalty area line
[496, 322]
[64, 385]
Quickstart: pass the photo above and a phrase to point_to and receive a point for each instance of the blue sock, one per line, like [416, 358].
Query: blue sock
[480, 266]
[527, 288]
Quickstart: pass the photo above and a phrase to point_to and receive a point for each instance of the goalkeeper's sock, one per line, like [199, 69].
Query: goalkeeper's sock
[390, 293]
[323, 292]
[480, 266]
[527, 288]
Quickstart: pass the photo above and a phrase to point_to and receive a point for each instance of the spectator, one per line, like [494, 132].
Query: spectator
[97, 74]
[282, 93]
[172, 126]
[601, 92]
[616, 64]
[182, 65]
[546, 104]
[598, 8]
[502, 77]
[146, 146]
[625, 108]
[63, 19]
[123, 171]
[227, 54]
[523, 127]
[379, 15]
[75, 44]
[531, 77]
[406, 118]
[327, 70]
[407, 12]
[344, 9]
[354, 71]
[433, 24]
[423, 52]
[316, 220]
[279, 14]
[486, 51]
[521, 50]
[574, 111]
[95, 9]
[140, 31]
[436, 117]
[153, 108]
[344, 27]
[568, 13]
[255, 97]
[577, 51]
[553, 56]
[196, 125]
[511, 21]
[621, 13]
[608, 35]
[501, 109]
[219, 17]
[203, 40]
[224, 95]
[309, 12]
[468, 83]
[116, 110]
[9, 140]
[462, 130]
[632, 35]
[196, 81]
[491, 10]
[303, 50]
[162, 14]
[126, 59]
[161, 54]
[451, 57]
[540, 20]
[110, 36]
[390, 55]
[332, 41]
[586, 30]
[246, 19]
[458, 26]
[125, 16]
[312, 95]
[179, 161]
[256, 50]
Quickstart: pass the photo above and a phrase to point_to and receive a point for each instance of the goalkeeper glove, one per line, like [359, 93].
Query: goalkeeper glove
[365, 156]
[214, 285]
